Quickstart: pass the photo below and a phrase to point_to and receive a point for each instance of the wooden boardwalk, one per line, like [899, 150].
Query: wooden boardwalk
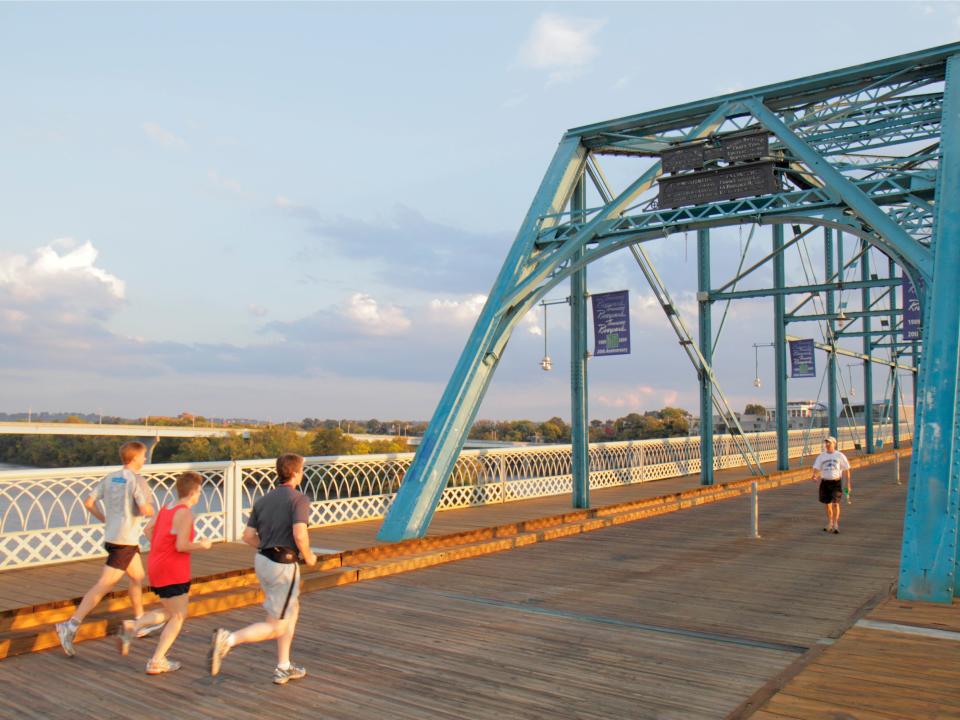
[676, 616]
[900, 662]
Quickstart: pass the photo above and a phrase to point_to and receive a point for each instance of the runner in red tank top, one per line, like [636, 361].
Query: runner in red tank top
[168, 565]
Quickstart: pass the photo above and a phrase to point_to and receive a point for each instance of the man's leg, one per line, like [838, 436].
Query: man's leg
[286, 640]
[135, 586]
[67, 630]
[109, 577]
[836, 514]
[176, 612]
[829, 512]
[258, 632]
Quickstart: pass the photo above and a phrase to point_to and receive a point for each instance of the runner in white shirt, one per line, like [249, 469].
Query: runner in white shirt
[829, 467]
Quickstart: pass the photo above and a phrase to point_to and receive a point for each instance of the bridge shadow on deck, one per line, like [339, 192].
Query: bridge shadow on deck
[678, 616]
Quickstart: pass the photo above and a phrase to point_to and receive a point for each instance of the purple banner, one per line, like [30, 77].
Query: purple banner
[803, 364]
[611, 323]
[912, 317]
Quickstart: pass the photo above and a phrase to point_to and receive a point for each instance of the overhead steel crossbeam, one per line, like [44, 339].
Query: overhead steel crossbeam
[825, 135]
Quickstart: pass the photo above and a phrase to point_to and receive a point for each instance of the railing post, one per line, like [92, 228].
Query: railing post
[896, 466]
[502, 470]
[643, 471]
[754, 511]
[233, 492]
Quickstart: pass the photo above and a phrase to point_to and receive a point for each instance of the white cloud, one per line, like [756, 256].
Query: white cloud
[372, 318]
[639, 398]
[257, 310]
[465, 312]
[563, 46]
[621, 83]
[225, 183]
[284, 203]
[163, 136]
[61, 269]
[459, 312]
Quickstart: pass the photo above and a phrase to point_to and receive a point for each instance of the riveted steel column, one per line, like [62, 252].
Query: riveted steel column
[579, 426]
[832, 340]
[868, 351]
[780, 350]
[894, 356]
[705, 340]
[928, 561]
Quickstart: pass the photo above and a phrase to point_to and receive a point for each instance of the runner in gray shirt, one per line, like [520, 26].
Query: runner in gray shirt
[278, 529]
[125, 498]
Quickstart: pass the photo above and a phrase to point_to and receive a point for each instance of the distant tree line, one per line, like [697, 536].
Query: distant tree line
[314, 436]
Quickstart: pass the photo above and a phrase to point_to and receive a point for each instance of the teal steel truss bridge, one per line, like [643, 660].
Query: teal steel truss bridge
[870, 154]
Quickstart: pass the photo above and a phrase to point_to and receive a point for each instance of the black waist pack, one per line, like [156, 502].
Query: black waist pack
[283, 555]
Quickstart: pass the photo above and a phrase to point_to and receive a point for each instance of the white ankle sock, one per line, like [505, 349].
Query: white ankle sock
[284, 666]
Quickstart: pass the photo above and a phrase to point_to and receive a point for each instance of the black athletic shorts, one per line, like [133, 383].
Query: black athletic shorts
[120, 556]
[169, 591]
[830, 491]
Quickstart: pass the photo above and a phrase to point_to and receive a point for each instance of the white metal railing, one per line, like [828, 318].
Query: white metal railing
[42, 518]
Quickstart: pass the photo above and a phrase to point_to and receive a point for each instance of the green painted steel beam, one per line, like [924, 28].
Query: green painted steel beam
[926, 63]
[930, 556]
[798, 289]
[833, 405]
[895, 241]
[705, 341]
[868, 351]
[852, 315]
[854, 354]
[780, 351]
[580, 422]
[424, 482]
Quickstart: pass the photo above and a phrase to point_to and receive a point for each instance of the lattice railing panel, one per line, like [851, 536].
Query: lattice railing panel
[42, 519]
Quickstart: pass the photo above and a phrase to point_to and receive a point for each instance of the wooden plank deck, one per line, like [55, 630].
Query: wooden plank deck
[677, 616]
[878, 673]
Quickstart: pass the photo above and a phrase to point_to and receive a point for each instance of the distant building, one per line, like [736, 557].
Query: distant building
[806, 414]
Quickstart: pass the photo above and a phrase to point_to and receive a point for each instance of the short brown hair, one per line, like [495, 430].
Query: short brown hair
[187, 482]
[129, 450]
[288, 465]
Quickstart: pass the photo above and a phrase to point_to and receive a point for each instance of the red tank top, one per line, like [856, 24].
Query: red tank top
[165, 564]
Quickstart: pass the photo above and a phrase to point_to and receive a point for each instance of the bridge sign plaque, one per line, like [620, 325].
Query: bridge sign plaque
[724, 184]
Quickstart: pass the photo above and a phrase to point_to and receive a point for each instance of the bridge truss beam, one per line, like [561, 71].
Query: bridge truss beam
[827, 132]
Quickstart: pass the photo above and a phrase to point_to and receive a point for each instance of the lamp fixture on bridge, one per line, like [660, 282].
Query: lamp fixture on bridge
[756, 362]
[546, 364]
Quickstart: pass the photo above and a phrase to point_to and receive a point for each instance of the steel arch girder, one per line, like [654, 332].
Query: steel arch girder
[411, 511]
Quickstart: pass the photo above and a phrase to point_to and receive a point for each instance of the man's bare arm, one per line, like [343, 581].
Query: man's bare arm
[250, 537]
[90, 503]
[302, 538]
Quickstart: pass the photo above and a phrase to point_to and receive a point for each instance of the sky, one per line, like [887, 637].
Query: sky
[291, 210]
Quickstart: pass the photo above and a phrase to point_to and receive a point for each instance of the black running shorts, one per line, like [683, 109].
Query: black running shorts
[830, 491]
[120, 556]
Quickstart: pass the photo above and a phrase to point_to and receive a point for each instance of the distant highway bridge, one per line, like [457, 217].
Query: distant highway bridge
[150, 435]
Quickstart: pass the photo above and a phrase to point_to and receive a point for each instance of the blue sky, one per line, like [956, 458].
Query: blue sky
[289, 210]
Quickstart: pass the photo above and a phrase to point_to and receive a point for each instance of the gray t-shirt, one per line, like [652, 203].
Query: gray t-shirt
[274, 515]
[831, 465]
[122, 492]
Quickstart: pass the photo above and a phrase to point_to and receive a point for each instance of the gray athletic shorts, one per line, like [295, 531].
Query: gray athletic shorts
[275, 579]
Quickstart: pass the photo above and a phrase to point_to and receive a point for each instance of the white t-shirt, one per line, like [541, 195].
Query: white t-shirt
[122, 493]
[831, 465]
